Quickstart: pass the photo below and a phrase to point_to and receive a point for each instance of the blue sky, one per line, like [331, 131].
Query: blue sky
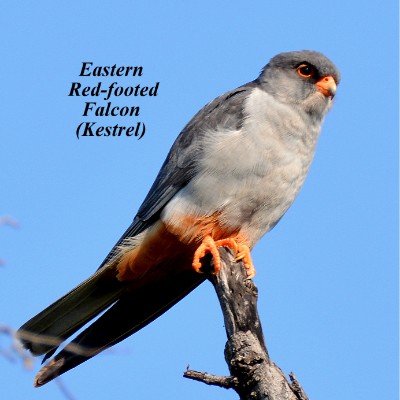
[327, 274]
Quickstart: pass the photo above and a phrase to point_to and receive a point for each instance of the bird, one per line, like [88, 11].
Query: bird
[230, 176]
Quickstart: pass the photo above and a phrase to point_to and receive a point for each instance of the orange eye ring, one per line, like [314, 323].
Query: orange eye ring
[306, 71]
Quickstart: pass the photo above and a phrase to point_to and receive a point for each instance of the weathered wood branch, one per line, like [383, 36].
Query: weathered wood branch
[254, 375]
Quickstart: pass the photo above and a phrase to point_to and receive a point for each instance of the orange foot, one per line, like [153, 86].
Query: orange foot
[208, 245]
[243, 253]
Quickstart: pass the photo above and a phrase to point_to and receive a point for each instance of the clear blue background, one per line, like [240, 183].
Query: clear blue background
[327, 274]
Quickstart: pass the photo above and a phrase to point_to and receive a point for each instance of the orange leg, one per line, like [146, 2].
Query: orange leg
[208, 245]
[244, 254]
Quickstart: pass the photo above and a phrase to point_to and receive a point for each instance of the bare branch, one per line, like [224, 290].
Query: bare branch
[254, 375]
[297, 388]
[226, 382]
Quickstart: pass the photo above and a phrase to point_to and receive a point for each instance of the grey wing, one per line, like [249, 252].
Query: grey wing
[224, 113]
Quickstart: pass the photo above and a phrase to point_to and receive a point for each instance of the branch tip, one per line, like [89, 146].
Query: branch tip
[296, 387]
[226, 382]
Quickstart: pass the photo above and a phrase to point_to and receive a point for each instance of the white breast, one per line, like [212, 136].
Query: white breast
[251, 175]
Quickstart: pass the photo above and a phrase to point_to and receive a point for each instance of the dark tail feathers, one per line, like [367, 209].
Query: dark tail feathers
[131, 311]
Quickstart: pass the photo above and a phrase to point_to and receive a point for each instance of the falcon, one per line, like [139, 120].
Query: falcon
[230, 176]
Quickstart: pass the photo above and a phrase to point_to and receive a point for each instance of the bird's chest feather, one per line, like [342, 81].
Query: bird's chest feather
[247, 178]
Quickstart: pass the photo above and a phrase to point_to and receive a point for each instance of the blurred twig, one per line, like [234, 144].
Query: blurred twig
[64, 390]
[10, 221]
[15, 352]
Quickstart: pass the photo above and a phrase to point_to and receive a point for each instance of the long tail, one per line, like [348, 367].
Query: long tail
[48, 329]
[128, 315]
[131, 311]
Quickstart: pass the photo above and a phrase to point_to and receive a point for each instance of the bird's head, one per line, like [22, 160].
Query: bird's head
[306, 79]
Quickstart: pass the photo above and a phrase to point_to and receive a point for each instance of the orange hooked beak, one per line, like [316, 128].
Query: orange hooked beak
[327, 86]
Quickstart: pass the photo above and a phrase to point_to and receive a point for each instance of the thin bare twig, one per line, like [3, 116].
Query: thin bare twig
[10, 221]
[64, 390]
[15, 351]
[226, 382]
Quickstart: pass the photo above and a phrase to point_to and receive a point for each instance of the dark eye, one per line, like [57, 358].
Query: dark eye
[306, 71]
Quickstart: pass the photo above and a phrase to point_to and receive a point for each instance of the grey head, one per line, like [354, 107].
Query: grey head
[305, 79]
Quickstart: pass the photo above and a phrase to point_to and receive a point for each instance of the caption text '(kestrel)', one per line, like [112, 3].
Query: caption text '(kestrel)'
[102, 99]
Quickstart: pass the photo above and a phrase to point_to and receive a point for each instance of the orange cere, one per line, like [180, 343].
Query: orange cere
[327, 86]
